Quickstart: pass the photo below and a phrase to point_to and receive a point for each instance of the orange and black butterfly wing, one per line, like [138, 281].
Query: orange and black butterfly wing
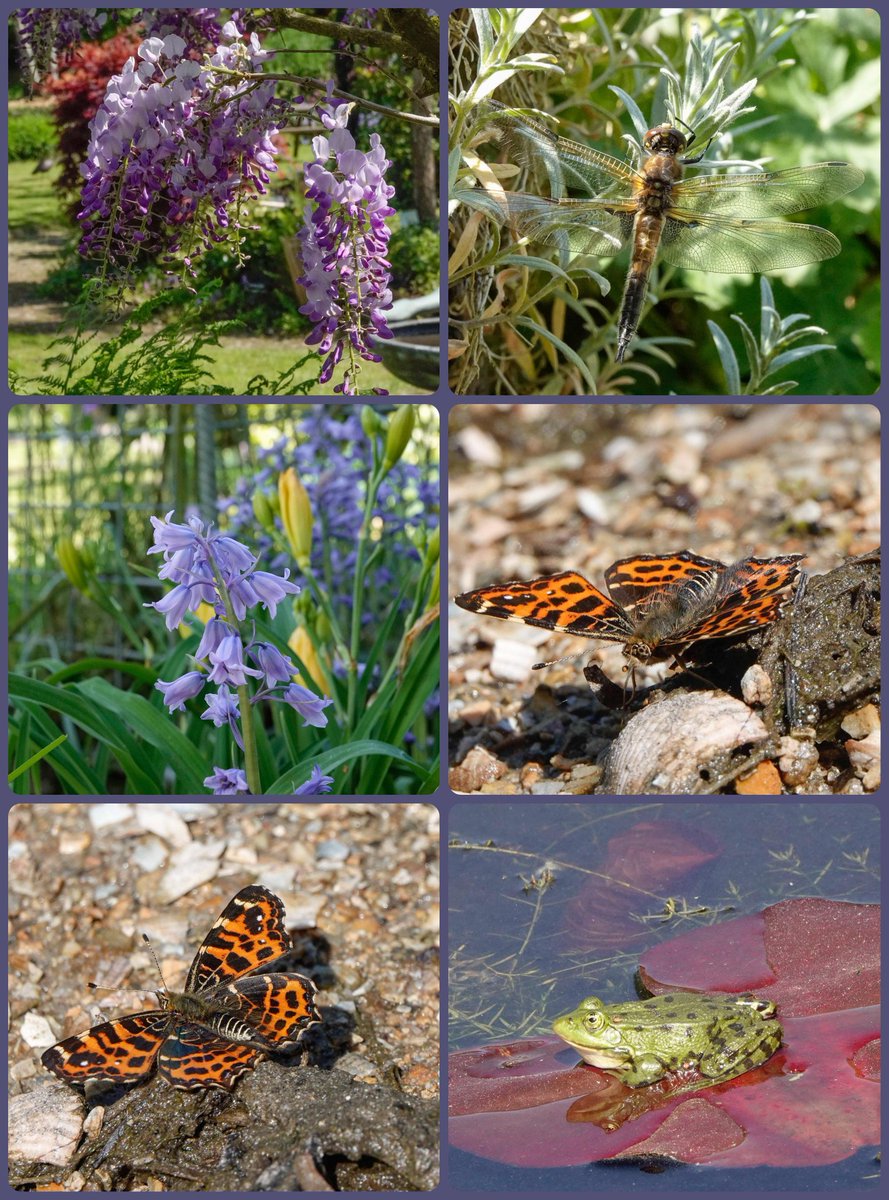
[566, 602]
[749, 594]
[637, 580]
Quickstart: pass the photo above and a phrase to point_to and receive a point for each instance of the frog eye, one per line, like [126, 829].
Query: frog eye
[595, 1021]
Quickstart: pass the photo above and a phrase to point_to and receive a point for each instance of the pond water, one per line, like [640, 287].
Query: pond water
[549, 903]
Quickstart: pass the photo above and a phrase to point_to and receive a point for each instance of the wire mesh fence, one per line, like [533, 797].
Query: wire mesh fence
[94, 473]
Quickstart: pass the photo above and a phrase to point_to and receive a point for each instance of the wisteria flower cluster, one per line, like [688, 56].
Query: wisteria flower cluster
[173, 146]
[212, 568]
[48, 35]
[344, 241]
[199, 27]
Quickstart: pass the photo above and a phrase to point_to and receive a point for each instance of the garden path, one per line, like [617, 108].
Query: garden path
[29, 262]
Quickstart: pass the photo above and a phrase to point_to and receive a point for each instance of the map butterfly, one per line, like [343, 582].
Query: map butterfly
[220, 1026]
[658, 604]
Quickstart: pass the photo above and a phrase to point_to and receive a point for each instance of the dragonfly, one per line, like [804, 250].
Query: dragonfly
[707, 222]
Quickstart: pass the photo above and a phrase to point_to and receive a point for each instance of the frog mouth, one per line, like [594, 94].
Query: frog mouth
[599, 1056]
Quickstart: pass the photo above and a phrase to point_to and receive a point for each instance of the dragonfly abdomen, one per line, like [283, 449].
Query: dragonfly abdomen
[647, 231]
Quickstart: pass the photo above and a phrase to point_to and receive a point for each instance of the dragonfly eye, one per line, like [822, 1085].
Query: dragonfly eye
[664, 139]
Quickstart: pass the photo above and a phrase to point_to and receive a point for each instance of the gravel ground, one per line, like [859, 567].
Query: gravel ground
[536, 489]
[359, 883]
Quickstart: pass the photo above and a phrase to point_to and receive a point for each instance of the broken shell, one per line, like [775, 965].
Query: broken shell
[681, 745]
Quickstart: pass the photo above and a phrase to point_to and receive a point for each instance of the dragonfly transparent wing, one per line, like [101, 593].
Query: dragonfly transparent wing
[596, 226]
[714, 225]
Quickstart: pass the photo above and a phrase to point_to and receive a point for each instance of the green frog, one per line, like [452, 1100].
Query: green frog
[644, 1040]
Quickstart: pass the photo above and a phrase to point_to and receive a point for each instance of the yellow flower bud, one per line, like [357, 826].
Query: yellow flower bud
[401, 426]
[72, 563]
[300, 643]
[296, 514]
[434, 587]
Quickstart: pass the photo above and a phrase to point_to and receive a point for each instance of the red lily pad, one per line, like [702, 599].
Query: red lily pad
[817, 1101]
[652, 858]
[781, 955]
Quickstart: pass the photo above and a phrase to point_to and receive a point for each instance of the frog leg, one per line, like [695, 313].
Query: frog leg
[726, 1062]
[646, 1068]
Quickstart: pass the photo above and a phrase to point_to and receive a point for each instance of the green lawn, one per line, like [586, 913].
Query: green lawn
[34, 211]
[236, 361]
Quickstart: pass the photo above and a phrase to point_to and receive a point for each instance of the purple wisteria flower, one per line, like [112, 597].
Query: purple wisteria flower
[199, 27]
[172, 145]
[226, 782]
[316, 784]
[344, 241]
[48, 35]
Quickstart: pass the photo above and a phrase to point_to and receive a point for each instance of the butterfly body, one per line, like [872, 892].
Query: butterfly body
[220, 1026]
[657, 605]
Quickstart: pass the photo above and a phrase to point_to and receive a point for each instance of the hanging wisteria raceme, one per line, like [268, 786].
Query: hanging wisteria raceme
[174, 148]
[344, 240]
[211, 568]
[48, 35]
[199, 27]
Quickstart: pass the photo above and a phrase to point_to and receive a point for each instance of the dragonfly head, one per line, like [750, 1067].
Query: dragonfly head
[664, 139]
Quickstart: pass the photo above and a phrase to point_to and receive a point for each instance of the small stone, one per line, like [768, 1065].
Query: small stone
[355, 1065]
[74, 843]
[21, 1071]
[303, 911]
[102, 816]
[593, 505]
[149, 855]
[183, 877]
[806, 513]
[797, 760]
[862, 722]
[477, 768]
[531, 774]
[547, 787]
[163, 820]
[864, 756]
[475, 713]
[512, 659]
[763, 780]
[756, 686]
[45, 1125]
[93, 1122]
[36, 1032]
[332, 851]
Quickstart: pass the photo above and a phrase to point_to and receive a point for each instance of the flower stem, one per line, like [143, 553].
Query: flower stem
[248, 734]
[358, 585]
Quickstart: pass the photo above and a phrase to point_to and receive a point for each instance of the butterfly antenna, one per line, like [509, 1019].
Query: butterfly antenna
[147, 940]
[554, 661]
